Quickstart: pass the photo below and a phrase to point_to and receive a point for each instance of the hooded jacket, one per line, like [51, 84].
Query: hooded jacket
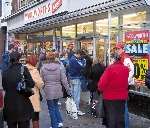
[54, 78]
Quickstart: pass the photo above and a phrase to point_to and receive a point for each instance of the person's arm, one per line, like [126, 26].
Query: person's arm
[129, 64]
[103, 81]
[28, 78]
[1, 93]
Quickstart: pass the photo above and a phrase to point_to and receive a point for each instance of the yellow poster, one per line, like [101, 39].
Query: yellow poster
[140, 68]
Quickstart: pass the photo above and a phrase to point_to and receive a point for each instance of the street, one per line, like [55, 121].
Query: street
[86, 121]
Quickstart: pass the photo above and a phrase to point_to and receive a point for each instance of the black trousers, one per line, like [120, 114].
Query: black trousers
[35, 116]
[20, 124]
[114, 110]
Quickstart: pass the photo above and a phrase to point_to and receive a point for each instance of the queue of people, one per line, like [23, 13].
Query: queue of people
[54, 72]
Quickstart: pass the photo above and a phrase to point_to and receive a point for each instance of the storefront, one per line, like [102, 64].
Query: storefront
[97, 28]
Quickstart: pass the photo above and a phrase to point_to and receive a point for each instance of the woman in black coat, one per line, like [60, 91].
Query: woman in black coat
[17, 108]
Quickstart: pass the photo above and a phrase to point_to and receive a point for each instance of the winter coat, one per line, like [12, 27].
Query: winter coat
[147, 78]
[35, 99]
[76, 66]
[96, 73]
[114, 82]
[54, 78]
[16, 106]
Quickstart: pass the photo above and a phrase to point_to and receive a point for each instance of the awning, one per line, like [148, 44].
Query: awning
[66, 17]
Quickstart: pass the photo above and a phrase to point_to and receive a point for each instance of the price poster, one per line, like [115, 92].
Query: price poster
[140, 68]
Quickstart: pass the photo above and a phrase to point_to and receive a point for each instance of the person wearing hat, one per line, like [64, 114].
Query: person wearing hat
[17, 108]
[113, 85]
[126, 60]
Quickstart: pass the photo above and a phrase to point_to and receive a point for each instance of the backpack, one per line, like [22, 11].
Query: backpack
[147, 78]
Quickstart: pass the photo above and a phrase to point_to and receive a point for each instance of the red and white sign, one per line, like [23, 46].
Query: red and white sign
[43, 10]
[138, 35]
[56, 5]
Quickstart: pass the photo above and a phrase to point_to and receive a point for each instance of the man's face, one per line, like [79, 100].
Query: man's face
[119, 51]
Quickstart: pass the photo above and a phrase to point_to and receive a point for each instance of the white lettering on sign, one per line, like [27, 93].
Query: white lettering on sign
[56, 5]
[136, 48]
[43, 10]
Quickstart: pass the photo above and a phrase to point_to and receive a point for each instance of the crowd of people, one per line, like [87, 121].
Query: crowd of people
[75, 71]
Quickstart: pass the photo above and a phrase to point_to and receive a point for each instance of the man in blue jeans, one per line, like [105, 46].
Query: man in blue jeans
[76, 64]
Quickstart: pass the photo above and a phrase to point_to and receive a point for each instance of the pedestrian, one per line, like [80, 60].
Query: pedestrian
[42, 58]
[76, 65]
[113, 85]
[1, 101]
[54, 78]
[35, 99]
[17, 108]
[147, 78]
[126, 60]
[96, 72]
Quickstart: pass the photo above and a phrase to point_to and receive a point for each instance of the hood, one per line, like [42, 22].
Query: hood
[51, 67]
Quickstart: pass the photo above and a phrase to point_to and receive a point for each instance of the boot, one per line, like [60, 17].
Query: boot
[35, 124]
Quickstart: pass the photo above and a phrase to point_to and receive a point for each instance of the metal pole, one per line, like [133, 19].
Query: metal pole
[109, 35]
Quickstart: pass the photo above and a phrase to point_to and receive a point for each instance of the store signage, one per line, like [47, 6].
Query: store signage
[137, 36]
[56, 5]
[147, 2]
[136, 49]
[43, 10]
[140, 68]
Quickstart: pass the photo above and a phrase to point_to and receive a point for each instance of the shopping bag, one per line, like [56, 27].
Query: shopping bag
[71, 108]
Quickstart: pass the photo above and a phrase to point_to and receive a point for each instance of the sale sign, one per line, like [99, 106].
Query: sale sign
[140, 68]
[137, 45]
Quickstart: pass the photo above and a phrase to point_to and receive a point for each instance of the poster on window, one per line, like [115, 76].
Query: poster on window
[140, 68]
[137, 46]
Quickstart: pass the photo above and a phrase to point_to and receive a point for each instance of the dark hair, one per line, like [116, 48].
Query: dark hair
[115, 56]
[14, 57]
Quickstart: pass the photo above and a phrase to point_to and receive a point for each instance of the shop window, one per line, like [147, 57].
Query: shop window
[68, 32]
[85, 28]
[102, 32]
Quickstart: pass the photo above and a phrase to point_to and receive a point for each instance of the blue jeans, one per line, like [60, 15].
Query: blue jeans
[1, 120]
[126, 116]
[76, 90]
[54, 112]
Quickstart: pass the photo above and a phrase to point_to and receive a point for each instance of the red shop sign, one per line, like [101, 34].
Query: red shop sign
[56, 5]
[143, 35]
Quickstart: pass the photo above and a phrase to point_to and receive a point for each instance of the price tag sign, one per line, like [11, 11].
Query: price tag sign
[140, 68]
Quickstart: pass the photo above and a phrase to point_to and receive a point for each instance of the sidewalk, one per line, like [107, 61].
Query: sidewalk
[86, 121]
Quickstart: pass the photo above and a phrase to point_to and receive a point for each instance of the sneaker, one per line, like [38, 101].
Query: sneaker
[80, 113]
[60, 125]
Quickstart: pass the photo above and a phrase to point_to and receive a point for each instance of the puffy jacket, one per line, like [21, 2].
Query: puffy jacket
[114, 82]
[54, 78]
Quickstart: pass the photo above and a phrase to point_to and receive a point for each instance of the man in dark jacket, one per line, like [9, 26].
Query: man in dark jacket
[147, 78]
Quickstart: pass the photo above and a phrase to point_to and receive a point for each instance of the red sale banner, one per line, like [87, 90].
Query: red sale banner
[137, 36]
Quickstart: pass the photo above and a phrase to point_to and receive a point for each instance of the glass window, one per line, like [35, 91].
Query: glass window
[85, 28]
[68, 32]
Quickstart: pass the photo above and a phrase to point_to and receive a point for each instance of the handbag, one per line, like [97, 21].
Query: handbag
[21, 87]
[71, 108]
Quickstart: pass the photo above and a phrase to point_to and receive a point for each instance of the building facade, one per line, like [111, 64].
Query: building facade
[95, 25]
